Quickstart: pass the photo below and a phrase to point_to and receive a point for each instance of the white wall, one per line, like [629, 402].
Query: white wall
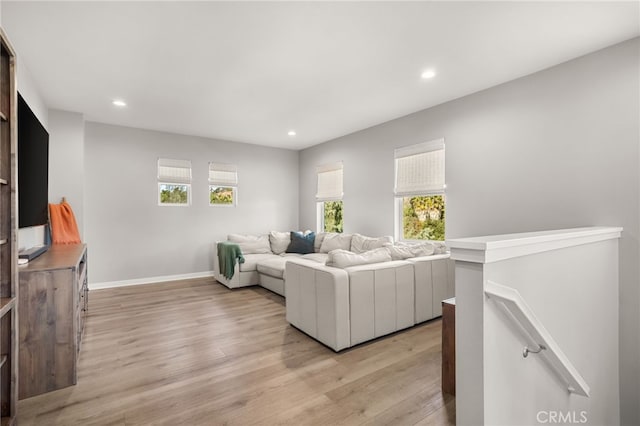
[556, 149]
[66, 161]
[130, 237]
[32, 236]
[31, 93]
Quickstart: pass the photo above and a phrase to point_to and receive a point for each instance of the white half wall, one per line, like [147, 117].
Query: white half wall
[131, 237]
[555, 149]
[496, 384]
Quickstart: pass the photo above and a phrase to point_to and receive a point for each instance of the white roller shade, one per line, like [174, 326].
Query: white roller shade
[223, 174]
[420, 169]
[329, 182]
[174, 171]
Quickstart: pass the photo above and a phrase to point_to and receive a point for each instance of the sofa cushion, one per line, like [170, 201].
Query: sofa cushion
[344, 259]
[273, 267]
[301, 243]
[400, 252]
[317, 257]
[279, 241]
[251, 261]
[251, 244]
[335, 241]
[318, 242]
[404, 250]
[439, 247]
[360, 243]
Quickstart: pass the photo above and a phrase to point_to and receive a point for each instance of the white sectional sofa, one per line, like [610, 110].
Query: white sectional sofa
[340, 305]
[344, 307]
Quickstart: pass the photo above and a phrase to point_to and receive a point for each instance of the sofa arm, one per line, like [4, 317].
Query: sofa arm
[234, 282]
[434, 282]
[382, 299]
[317, 301]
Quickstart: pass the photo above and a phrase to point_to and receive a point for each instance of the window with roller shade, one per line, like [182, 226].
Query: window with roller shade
[174, 182]
[329, 198]
[223, 184]
[420, 191]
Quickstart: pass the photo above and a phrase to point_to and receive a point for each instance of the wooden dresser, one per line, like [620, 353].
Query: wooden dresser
[53, 301]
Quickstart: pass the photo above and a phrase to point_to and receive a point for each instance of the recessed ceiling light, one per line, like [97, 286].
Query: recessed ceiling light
[291, 133]
[428, 74]
[119, 103]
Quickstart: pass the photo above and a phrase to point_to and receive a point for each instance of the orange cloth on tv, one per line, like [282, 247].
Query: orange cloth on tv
[64, 229]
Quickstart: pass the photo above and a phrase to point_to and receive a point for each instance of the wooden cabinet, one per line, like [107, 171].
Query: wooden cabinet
[449, 346]
[8, 245]
[53, 304]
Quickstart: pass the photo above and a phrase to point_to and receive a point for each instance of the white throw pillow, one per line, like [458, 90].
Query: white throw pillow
[343, 258]
[400, 252]
[335, 241]
[251, 244]
[439, 247]
[404, 250]
[279, 241]
[360, 243]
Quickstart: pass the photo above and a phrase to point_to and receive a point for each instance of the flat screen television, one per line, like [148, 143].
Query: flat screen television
[33, 168]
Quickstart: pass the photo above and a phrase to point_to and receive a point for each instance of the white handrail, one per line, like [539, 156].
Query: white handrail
[520, 311]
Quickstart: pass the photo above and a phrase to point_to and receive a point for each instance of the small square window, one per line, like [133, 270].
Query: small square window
[223, 184]
[174, 194]
[174, 182]
[222, 195]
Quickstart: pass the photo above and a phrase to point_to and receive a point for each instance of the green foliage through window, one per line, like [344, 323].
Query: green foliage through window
[220, 195]
[423, 217]
[332, 216]
[174, 194]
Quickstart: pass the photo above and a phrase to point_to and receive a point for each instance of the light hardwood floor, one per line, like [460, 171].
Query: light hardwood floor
[196, 353]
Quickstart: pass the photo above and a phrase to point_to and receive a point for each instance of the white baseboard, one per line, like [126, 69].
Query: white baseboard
[149, 280]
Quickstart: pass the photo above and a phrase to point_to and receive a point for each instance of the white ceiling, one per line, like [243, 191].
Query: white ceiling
[251, 71]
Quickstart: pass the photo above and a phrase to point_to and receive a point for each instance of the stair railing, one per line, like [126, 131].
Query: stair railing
[546, 346]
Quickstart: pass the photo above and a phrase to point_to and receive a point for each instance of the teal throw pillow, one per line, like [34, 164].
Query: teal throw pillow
[301, 243]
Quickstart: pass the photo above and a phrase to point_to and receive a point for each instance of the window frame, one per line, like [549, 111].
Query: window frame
[187, 204]
[320, 207]
[425, 147]
[224, 182]
[321, 199]
[167, 180]
[234, 202]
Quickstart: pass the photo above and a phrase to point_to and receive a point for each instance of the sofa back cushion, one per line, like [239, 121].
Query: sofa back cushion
[360, 243]
[318, 242]
[335, 241]
[343, 258]
[251, 244]
[279, 241]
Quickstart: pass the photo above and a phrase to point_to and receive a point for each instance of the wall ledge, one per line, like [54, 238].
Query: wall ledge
[494, 248]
